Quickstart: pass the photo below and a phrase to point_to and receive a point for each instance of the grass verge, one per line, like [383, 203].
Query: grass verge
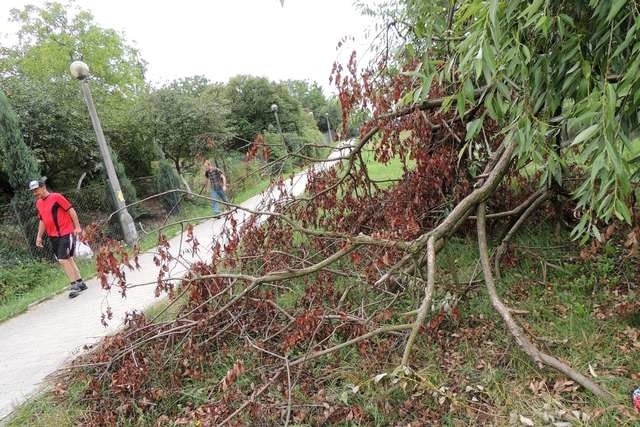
[468, 369]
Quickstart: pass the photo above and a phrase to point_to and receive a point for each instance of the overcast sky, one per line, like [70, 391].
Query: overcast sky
[223, 38]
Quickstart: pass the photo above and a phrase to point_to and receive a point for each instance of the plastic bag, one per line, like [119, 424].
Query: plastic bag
[82, 251]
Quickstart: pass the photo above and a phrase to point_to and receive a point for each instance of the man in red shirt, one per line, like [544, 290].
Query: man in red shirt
[60, 221]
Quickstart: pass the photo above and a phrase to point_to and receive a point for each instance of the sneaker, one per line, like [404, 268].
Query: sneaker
[78, 286]
[74, 294]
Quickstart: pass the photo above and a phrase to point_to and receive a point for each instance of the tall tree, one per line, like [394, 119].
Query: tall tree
[52, 37]
[189, 120]
[250, 101]
[55, 127]
[20, 165]
[18, 161]
[37, 81]
[326, 111]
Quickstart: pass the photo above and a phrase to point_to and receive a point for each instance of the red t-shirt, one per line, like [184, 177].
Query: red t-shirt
[53, 211]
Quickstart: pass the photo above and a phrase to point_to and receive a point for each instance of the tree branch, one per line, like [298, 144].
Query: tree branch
[498, 167]
[539, 357]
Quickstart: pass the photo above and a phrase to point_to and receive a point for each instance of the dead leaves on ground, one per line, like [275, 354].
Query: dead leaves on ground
[556, 388]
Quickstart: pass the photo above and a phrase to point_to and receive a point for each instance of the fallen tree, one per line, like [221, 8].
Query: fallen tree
[485, 107]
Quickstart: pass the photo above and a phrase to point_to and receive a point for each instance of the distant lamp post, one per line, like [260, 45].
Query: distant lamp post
[328, 128]
[274, 109]
[80, 71]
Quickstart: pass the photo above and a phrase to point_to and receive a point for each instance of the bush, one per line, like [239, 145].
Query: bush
[167, 179]
[128, 190]
[278, 161]
[13, 248]
[20, 279]
[94, 197]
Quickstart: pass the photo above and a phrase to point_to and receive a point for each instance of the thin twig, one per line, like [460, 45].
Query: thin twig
[286, 421]
[253, 397]
[381, 330]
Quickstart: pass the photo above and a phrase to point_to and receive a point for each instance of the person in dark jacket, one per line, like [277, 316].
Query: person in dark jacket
[217, 185]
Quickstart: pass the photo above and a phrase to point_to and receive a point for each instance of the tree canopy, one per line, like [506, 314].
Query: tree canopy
[189, 119]
[52, 37]
[53, 117]
[250, 101]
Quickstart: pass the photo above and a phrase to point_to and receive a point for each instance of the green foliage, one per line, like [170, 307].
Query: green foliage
[561, 77]
[309, 94]
[20, 165]
[51, 37]
[131, 136]
[306, 140]
[49, 410]
[27, 282]
[95, 196]
[12, 247]
[251, 99]
[313, 101]
[55, 126]
[279, 163]
[17, 159]
[292, 149]
[21, 278]
[128, 190]
[54, 118]
[167, 179]
[189, 120]
[325, 111]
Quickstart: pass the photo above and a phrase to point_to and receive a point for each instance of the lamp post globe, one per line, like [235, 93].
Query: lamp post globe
[274, 108]
[79, 70]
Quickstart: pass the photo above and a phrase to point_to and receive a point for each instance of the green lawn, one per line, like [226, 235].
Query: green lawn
[385, 173]
[20, 278]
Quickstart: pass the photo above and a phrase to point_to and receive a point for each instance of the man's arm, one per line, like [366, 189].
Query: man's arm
[76, 222]
[224, 182]
[39, 236]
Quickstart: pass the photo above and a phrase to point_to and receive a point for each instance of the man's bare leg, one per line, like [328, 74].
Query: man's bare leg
[70, 269]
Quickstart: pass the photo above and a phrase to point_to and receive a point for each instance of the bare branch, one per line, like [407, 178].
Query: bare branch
[505, 242]
[539, 357]
[381, 330]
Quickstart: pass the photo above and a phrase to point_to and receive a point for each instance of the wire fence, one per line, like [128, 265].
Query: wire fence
[94, 205]
[19, 221]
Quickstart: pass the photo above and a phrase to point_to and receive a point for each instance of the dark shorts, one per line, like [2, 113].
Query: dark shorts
[63, 246]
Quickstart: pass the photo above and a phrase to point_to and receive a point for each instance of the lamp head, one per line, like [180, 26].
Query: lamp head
[79, 70]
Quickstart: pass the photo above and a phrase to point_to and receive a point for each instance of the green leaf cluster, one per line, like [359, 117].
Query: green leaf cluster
[562, 76]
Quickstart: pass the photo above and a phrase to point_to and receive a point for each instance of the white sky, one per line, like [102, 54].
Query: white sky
[222, 38]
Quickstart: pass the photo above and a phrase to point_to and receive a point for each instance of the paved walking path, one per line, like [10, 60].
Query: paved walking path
[51, 334]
